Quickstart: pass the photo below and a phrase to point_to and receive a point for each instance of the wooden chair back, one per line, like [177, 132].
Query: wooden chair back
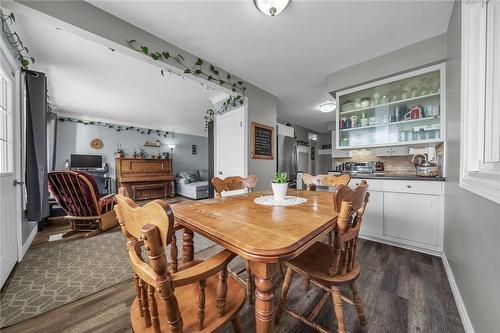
[351, 205]
[151, 228]
[233, 183]
[325, 180]
[75, 192]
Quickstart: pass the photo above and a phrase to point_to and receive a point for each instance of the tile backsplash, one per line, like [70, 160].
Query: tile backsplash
[391, 163]
[398, 164]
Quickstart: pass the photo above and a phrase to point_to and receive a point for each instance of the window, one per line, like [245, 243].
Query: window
[6, 165]
[480, 105]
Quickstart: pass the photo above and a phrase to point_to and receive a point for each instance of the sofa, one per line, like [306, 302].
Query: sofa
[192, 184]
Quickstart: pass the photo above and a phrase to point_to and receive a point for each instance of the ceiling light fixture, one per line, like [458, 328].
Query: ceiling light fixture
[327, 107]
[271, 7]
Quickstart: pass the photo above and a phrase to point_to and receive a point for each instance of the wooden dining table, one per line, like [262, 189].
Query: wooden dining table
[264, 235]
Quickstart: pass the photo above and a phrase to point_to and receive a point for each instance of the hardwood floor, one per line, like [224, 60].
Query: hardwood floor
[402, 291]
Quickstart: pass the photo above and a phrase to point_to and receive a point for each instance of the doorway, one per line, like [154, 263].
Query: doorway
[10, 210]
[231, 153]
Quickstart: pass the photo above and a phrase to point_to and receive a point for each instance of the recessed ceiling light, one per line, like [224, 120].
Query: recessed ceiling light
[327, 107]
[271, 7]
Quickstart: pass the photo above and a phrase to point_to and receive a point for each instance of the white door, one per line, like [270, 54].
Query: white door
[231, 144]
[10, 217]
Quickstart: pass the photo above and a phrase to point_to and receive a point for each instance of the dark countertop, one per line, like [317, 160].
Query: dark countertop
[393, 176]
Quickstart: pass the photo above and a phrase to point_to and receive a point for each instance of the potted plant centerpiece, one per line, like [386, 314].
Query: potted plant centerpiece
[279, 186]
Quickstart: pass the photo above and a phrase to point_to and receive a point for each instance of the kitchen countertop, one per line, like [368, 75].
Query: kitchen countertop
[393, 176]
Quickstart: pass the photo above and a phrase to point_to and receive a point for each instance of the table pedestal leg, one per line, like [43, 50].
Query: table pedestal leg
[264, 311]
[187, 246]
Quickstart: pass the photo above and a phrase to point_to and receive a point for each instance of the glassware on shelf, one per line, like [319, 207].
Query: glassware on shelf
[364, 120]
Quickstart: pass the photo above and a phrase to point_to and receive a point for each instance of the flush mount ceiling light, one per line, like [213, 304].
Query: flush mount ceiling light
[271, 7]
[327, 107]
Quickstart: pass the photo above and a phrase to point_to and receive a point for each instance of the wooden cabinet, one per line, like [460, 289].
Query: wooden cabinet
[145, 179]
[404, 213]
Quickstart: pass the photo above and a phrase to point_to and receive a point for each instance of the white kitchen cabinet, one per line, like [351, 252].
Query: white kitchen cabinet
[400, 151]
[373, 219]
[392, 151]
[338, 153]
[411, 217]
[404, 213]
[406, 109]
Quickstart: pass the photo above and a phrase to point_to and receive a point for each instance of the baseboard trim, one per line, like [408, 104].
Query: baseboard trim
[458, 297]
[30, 239]
[404, 246]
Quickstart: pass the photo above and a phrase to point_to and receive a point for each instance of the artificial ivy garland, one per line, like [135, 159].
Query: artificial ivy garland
[118, 128]
[15, 41]
[199, 69]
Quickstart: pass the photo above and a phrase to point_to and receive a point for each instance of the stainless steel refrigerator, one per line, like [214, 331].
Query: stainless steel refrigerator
[287, 156]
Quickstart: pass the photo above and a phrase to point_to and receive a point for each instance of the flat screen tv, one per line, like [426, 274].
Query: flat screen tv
[86, 161]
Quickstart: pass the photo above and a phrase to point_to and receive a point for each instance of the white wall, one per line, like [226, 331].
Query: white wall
[74, 138]
[472, 223]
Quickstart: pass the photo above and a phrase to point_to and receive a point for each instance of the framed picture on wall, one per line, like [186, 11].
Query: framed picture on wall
[262, 141]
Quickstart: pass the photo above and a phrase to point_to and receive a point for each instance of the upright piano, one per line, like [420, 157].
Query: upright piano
[145, 179]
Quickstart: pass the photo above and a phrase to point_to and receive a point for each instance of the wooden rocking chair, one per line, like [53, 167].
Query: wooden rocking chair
[77, 193]
[192, 299]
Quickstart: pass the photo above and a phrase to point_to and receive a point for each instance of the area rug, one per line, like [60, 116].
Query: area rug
[52, 275]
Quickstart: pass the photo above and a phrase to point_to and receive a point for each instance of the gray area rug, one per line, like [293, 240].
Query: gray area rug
[57, 273]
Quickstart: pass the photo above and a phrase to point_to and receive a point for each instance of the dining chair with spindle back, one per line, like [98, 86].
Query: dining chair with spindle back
[234, 183]
[326, 180]
[342, 268]
[193, 299]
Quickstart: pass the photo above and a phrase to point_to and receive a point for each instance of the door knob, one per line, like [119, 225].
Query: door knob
[16, 182]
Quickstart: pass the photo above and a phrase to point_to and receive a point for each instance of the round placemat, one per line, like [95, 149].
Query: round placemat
[268, 200]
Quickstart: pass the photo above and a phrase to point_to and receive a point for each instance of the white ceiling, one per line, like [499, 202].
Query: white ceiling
[90, 81]
[289, 55]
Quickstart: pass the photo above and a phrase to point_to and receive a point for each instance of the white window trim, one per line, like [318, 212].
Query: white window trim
[476, 175]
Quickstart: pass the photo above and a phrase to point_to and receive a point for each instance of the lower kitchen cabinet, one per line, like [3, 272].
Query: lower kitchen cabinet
[407, 214]
[412, 217]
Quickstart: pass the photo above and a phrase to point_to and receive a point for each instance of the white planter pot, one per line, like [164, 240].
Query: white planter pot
[279, 191]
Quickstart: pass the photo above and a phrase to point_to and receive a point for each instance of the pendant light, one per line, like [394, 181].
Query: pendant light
[271, 7]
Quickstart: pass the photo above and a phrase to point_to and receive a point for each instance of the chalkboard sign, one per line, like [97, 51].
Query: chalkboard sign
[262, 142]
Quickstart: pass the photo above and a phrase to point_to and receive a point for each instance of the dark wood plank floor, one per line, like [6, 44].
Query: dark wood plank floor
[402, 291]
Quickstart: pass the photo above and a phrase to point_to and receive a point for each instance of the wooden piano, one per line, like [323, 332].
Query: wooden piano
[145, 179]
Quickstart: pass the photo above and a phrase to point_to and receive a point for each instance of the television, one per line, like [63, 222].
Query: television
[86, 161]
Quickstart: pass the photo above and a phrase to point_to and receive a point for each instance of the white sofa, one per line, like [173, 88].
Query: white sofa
[192, 184]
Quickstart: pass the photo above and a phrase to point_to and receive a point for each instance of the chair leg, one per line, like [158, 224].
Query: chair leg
[250, 284]
[236, 324]
[358, 304]
[330, 238]
[284, 290]
[307, 283]
[339, 309]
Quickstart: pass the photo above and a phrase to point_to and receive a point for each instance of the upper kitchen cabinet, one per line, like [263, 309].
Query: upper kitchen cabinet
[408, 109]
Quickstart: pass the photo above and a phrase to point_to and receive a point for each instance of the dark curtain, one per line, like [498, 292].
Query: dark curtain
[36, 146]
[51, 140]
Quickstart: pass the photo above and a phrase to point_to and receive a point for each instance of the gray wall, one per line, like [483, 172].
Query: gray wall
[262, 108]
[74, 138]
[472, 223]
[429, 51]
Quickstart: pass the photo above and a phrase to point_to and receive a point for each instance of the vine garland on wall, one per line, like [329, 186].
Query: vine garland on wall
[118, 128]
[202, 69]
[14, 40]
